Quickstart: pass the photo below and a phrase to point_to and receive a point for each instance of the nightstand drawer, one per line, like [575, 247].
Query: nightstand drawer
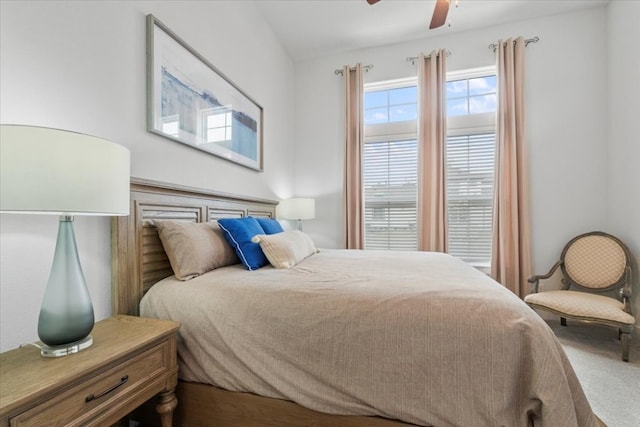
[86, 402]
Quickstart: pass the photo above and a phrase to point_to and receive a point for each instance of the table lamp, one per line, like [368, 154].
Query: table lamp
[297, 208]
[57, 172]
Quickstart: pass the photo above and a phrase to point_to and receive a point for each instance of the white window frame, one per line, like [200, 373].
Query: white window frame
[225, 112]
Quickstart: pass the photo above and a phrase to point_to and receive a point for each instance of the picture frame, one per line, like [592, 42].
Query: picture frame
[192, 102]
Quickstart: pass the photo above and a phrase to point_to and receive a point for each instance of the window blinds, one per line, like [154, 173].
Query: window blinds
[390, 176]
[390, 172]
[470, 165]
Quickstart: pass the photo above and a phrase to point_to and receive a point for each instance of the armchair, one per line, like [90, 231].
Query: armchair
[592, 264]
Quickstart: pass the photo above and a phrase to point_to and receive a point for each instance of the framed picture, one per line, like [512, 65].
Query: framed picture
[190, 101]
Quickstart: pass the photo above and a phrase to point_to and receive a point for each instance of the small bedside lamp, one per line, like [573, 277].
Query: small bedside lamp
[57, 172]
[298, 208]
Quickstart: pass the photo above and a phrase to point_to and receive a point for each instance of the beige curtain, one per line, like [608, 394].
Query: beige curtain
[432, 137]
[510, 252]
[353, 205]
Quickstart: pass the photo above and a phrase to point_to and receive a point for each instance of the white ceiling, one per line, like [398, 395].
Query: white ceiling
[312, 28]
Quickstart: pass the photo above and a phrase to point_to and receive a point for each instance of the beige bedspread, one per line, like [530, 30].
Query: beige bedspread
[415, 336]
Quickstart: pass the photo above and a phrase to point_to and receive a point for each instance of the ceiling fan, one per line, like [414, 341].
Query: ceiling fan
[439, 12]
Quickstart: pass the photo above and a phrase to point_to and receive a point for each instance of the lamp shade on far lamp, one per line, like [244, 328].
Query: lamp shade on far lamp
[297, 208]
[57, 172]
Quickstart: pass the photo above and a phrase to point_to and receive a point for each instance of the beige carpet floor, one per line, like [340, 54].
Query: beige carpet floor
[611, 385]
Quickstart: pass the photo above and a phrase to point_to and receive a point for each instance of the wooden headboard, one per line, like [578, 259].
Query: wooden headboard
[138, 259]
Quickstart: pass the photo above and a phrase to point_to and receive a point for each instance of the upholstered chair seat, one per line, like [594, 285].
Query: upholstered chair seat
[596, 275]
[581, 305]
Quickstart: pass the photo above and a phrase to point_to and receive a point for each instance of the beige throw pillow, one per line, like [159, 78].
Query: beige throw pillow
[194, 248]
[286, 249]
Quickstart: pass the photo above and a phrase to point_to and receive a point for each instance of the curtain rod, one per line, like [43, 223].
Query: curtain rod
[535, 39]
[413, 59]
[366, 68]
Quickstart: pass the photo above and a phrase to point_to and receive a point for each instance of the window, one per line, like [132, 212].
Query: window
[217, 124]
[390, 164]
[475, 95]
[391, 105]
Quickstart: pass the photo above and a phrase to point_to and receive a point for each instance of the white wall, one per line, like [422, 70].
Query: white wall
[624, 130]
[81, 66]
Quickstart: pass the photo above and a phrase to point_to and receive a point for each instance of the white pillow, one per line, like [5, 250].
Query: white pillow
[286, 249]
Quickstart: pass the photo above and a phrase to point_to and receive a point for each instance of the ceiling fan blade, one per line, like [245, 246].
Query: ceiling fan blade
[439, 14]
[372, 1]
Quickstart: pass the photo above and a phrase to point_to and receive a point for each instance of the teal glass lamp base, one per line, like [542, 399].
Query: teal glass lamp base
[66, 316]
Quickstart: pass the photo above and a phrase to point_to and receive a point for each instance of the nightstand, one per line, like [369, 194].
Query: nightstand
[131, 360]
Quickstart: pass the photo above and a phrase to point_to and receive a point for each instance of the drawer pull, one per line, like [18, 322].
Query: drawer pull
[91, 397]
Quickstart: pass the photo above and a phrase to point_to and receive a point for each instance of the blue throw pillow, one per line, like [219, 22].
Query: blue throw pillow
[269, 225]
[239, 232]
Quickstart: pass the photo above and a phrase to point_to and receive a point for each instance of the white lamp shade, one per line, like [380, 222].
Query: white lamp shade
[53, 171]
[297, 208]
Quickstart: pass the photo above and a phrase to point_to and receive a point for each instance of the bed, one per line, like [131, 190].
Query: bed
[342, 338]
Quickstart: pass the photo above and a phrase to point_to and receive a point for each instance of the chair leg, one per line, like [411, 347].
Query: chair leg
[563, 321]
[626, 338]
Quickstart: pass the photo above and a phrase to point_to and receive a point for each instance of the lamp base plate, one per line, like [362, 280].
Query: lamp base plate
[65, 349]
